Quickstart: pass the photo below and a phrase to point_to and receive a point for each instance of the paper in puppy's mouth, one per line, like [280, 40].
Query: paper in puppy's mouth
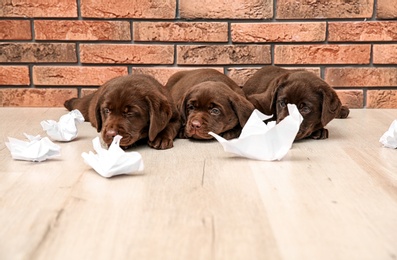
[264, 141]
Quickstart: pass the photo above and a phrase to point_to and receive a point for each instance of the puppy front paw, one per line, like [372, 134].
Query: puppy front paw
[231, 134]
[319, 134]
[161, 143]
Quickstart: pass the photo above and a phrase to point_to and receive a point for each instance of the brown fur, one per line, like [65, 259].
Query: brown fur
[208, 100]
[271, 88]
[133, 106]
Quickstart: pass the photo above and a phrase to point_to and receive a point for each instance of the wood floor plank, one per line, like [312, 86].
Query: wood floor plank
[327, 199]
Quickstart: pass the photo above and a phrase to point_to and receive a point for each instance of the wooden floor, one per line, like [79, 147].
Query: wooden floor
[327, 199]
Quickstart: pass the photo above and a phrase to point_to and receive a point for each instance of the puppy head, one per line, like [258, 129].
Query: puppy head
[131, 113]
[317, 102]
[212, 107]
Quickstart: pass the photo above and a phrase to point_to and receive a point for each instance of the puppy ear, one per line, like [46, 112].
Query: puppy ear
[241, 107]
[274, 86]
[160, 113]
[260, 102]
[98, 115]
[331, 105]
[181, 107]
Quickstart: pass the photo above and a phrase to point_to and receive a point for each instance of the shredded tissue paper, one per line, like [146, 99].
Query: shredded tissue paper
[65, 130]
[37, 149]
[113, 161]
[389, 138]
[267, 142]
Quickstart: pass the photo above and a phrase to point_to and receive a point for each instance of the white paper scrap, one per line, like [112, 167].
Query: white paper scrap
[267, 142]
[113, 161]
[389, 138]
[64, 130]
[37, 149]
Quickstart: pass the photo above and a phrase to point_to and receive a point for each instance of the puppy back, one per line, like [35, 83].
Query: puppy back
[181, 81]
[260, 81]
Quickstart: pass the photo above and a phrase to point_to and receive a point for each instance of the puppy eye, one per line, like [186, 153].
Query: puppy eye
[282, 103]
[305, 110]
[106, 110]
[129, 114]
[189, 107]
[215, 111]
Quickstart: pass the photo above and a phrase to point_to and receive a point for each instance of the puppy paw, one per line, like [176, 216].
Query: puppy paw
[319, 134]
[161, 143]
[182, 134]
[231, 134]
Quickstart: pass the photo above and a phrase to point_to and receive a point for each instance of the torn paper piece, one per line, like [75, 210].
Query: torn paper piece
[262, 141]
[65, 129]
[37, 149]
[113, 161]
[389, 138]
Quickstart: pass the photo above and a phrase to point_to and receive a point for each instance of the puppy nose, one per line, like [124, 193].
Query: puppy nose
[111, 133]
[196, 124]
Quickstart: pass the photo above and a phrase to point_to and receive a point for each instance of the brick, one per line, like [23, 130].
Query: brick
[322, 54]
[241, 75]
[278, 32]
[38, 8]
[361, 77]
[309, 9]
[351, 98]
[362, 31]
[223, 54]
[87, 91]
[126, 54]
[386, 9]
[82, 30]
[382, 99]
[14, 75]
[384, 53]
[237, 9]
[33, 97]
[163, 74]
[154, 9]
[15, 30]
[38, 52]
[181, 31]
[75, 76]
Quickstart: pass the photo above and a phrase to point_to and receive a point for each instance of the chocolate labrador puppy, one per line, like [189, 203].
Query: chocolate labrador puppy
[133, 106]
[208, 100]
[271, 88]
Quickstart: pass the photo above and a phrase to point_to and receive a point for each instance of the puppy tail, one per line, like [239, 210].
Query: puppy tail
[82, 104]
[69, 104]
[344, 112]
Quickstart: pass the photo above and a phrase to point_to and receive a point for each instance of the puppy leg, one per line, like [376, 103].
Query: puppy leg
[233, 133]
[182, 134]
[165, 139]
[319, 134]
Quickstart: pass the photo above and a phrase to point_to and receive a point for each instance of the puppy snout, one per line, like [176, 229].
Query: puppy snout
[196, 124]
[111, 133]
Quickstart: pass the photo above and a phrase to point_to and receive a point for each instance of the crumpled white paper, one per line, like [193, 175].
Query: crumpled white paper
[389, 138]
[267, 142]
[113, 161]
[65, 130]
[37, 149]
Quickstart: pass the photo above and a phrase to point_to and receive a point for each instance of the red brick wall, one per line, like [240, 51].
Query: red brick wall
[54, 50]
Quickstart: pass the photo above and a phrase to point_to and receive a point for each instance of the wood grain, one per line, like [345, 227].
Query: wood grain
[327, 199]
